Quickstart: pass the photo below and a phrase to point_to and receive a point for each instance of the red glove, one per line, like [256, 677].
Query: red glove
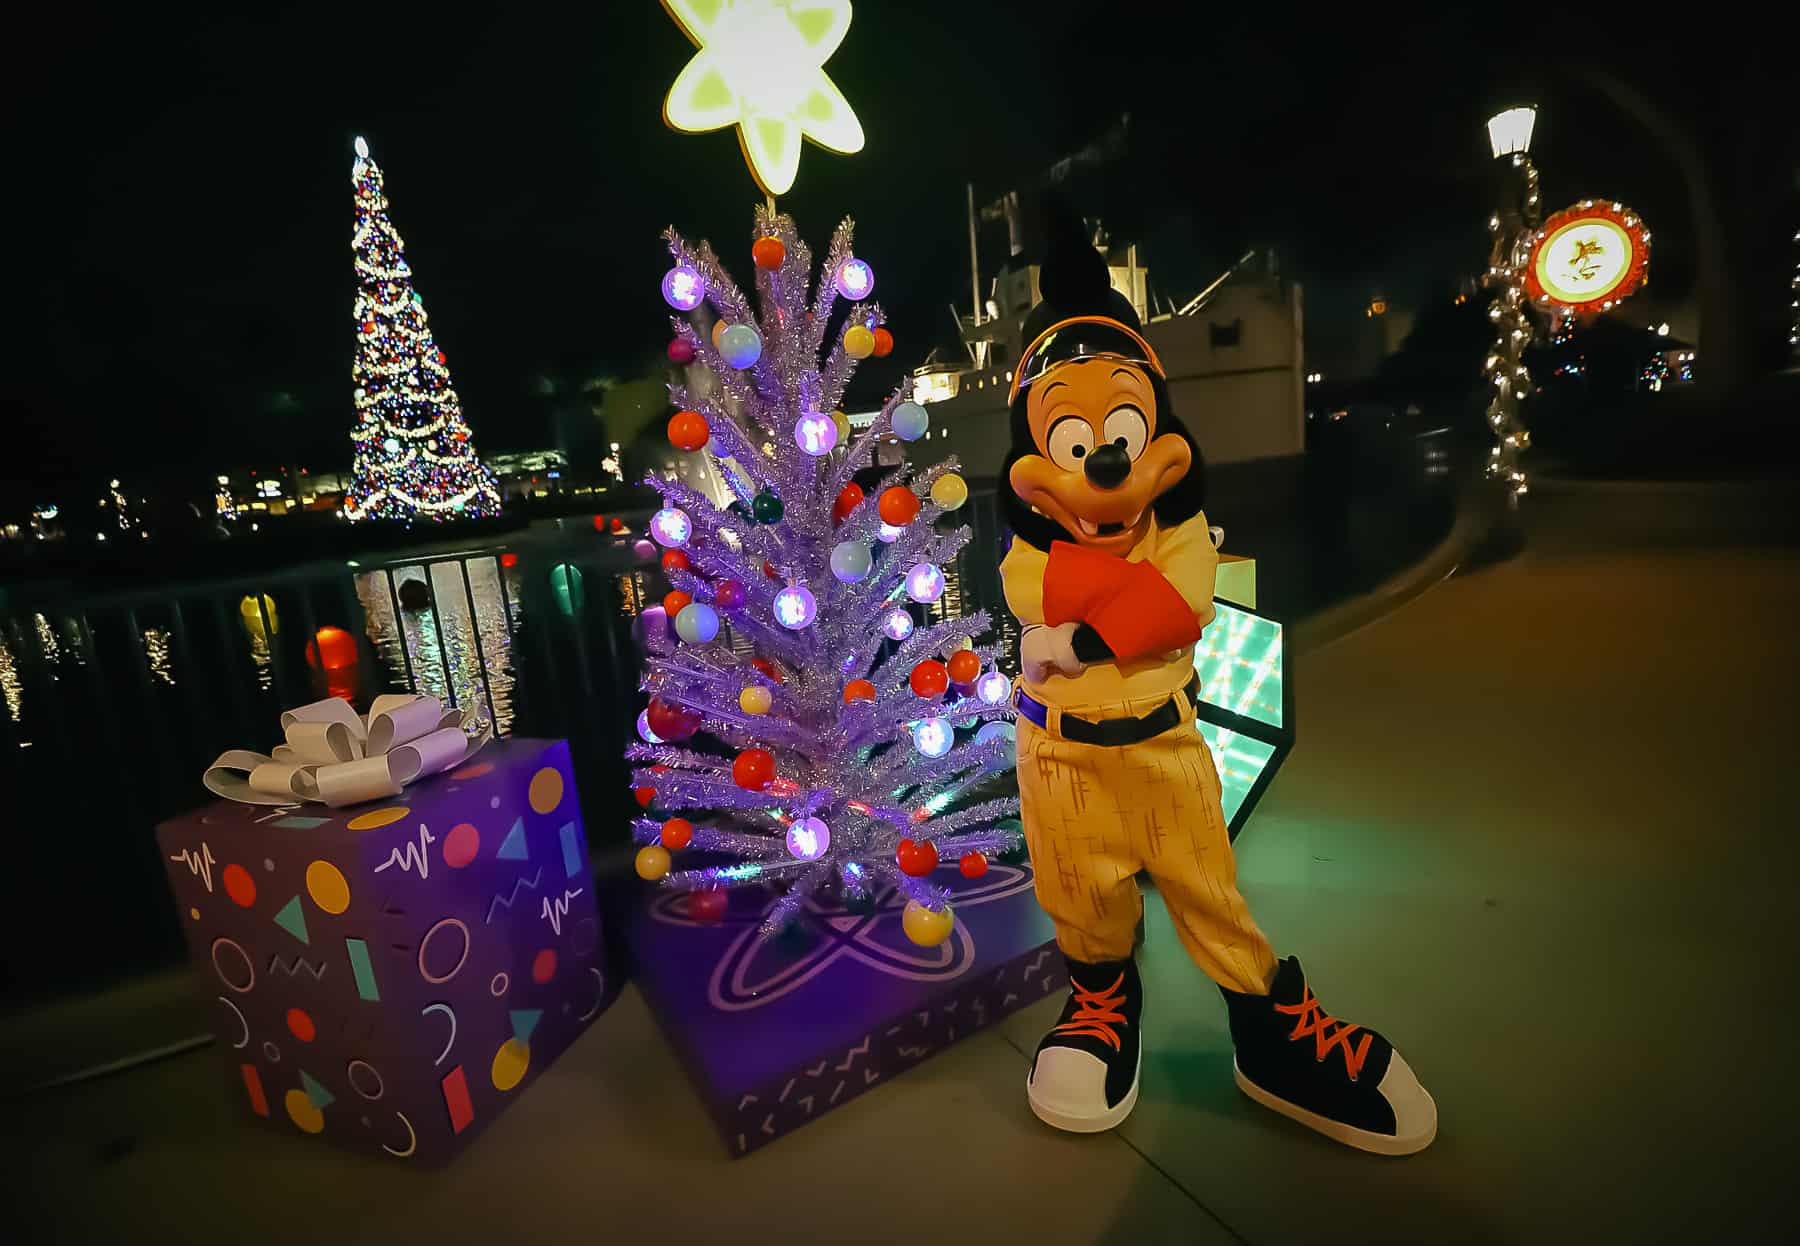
[1136, 611]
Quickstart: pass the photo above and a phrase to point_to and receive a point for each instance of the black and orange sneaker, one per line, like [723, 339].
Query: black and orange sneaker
[1341, 1079]
[1084, 1077]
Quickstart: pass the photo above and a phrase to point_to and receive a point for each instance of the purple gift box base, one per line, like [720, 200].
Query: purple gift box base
[778, 1033]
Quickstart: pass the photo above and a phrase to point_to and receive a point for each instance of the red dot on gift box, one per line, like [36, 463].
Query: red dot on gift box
[301, 1025]
[461, 845]
[474, 772]
[239, 885]
[543, 968]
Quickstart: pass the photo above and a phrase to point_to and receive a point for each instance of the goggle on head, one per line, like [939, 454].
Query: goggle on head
[1091, 389]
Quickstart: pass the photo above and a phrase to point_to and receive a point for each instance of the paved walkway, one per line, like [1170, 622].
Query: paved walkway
[1540, 827]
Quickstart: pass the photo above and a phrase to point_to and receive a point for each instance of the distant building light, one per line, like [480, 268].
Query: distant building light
[224, 480]
[1662, 330]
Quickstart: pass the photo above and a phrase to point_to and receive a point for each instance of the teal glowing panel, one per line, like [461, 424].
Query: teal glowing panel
[1240, 761]
[1239, 661]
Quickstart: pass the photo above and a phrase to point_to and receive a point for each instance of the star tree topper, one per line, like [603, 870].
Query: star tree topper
[760, 67]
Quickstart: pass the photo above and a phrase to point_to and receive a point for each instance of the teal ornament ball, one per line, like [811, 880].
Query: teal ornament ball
[910, 421]
[740, 345]
[768, 508]
[850, 562]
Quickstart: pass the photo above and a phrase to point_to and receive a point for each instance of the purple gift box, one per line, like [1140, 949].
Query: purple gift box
[778, 1033]
[391, 975]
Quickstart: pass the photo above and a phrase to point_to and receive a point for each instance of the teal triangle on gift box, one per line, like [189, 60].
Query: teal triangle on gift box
[524, 1021]
[320, 1097]
[513, 848]
[292, 919]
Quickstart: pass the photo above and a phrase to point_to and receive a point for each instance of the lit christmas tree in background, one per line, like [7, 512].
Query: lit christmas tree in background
[853, 729]
[413, 453]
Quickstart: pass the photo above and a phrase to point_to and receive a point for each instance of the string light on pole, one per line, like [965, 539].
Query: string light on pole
[1509, 134]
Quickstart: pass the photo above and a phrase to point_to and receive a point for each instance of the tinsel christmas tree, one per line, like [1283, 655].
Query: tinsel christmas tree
[850, 728]
[413, 453]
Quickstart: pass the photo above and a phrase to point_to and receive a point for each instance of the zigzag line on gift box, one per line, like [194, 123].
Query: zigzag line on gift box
[506, 901]
[300, 962]
[1037, 960]
[199, 865]
[411, 856]
[556, 910]
[861, 1049]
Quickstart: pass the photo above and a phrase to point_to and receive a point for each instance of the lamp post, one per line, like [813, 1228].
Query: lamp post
[1509, 134]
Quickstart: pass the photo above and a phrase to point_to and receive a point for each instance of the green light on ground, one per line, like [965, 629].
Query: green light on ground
[1239, 664]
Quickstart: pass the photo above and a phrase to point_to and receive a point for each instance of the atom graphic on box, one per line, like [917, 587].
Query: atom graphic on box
[735, 986]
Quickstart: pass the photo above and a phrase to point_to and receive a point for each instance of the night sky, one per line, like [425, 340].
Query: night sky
[181, 300]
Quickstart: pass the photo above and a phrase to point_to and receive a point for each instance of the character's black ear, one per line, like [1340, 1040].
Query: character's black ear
[1025, 523]
[1187, 497]
[1073, 275]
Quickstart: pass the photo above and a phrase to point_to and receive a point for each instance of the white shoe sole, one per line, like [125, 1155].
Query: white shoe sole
[1337, 1131]
[1056, 1118]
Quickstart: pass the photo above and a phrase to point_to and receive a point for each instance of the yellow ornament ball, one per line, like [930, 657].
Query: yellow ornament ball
[842, 423]
[859, 343]
[755, 699]
[719, 327]
[652, 862]
[949, 491]
[927, 927]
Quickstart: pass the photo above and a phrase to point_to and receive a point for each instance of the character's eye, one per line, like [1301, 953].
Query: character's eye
[1127, 429]
[1071, 440]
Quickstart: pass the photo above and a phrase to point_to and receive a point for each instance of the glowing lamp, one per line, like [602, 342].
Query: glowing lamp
[816, 434]
[993, 687]
[683, 288]
[924, 583]
[671, 526]
[808, 838]
[855, 279]
[362, 148]
[1509, 132]
[795, 607]
[898, 625]
[934, 736]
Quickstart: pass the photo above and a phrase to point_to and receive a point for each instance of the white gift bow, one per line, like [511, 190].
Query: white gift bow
[335, 756]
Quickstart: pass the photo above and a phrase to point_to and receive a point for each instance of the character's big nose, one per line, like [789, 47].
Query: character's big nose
[1108, 467]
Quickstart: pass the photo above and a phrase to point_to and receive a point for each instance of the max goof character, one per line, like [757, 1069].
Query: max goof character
[1110, 574]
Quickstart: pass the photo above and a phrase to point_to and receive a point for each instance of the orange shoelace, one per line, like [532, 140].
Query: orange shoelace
[1097, 1014]
[1312, 1020]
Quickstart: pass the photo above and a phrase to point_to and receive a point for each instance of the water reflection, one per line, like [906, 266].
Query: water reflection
[420, 621]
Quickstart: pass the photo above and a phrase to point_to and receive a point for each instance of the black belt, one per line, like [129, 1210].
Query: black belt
[1110, 732]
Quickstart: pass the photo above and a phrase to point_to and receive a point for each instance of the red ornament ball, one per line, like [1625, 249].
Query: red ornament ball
[671, 722]
[769, 570]
[768, 252]
[677, 833]
[688, 431]
[972, 865]
[848, 499]
[599, 523]
[440, 357]
[754, 769]
[509, 560]
[729, 595]
[899, 506]
[884, 342]
[708, 906]
[964, 666]
[674, 602]
[768, 668]
[616, 524]
[644, 796]
[368, 326]
[677, 560]
[858, 690]
[929, 679]
[681, 351]
[916, 860]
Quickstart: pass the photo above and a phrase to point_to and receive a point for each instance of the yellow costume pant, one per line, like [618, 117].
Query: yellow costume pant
[1095, 816]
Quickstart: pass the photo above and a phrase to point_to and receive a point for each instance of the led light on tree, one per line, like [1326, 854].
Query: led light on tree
[993, 687]
[683, 288]
[808, 839]
[924, 583]
[888, 533]
[795, 607]
[759, 66]
[933, 736]
[815, 433]
[855, 279]
[671, 526]
[897, 624]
